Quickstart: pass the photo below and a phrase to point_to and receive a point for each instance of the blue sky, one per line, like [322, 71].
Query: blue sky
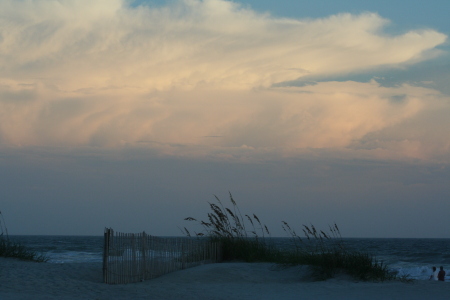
[132, 115]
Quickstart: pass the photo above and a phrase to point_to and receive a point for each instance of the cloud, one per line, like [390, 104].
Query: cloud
[190, 43]
[104, 74]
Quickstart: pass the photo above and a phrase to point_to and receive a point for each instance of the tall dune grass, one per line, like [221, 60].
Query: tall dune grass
[243, 238]
[327, 254]
[9, 248]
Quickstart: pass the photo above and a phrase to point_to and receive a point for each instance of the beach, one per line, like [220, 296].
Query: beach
[30, 280]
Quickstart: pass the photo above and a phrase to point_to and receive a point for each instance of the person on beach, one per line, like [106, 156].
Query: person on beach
[441, 274]
[434, 275]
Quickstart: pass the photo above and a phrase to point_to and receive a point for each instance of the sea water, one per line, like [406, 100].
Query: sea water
[64, 249]
[412, 257]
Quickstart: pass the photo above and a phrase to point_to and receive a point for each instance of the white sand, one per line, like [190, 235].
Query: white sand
[28, 280]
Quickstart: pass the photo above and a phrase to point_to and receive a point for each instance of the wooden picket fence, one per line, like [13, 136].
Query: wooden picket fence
[130, 257]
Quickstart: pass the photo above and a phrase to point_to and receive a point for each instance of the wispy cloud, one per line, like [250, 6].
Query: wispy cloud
[82, 73]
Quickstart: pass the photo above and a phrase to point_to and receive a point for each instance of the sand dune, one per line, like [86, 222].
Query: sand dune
[28, 280]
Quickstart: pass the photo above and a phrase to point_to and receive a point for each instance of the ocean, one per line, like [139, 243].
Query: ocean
[413, 257]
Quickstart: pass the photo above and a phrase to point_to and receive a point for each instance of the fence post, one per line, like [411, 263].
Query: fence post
[106, 254]
[144, 259]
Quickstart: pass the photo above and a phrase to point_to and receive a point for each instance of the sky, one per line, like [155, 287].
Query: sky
[134, 114]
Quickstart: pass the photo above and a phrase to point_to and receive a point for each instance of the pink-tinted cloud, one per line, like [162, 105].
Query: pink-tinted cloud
[200, 74]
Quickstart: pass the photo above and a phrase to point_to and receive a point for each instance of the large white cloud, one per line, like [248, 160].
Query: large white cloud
[103, 44]
[201, 74]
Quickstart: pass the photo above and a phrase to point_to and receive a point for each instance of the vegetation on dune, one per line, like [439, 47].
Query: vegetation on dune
[238, 242]
[243, 238]
[9, 248]
[327, 254]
